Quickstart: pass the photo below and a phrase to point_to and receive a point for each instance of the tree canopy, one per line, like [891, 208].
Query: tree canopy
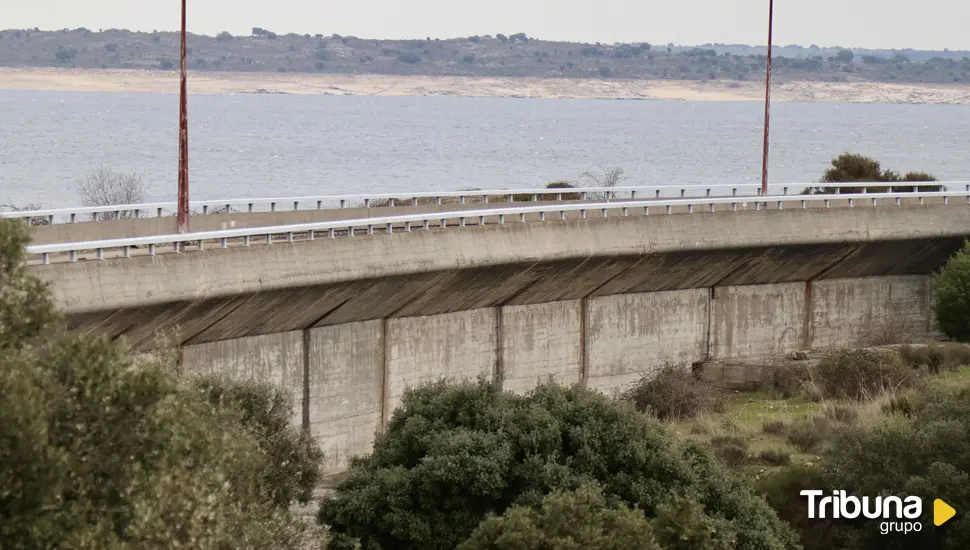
[104, 450]
[453, 454]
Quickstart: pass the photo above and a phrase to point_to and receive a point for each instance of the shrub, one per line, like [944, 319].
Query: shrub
[863, 373]
[926, 455]
[850, 167]
[102, 451]
[674, 392]
[731, 449]
[781, 490]
[573, 520]
[807, 435]
[453, 454]
[952, 296]
[773, 457]
[774, 427]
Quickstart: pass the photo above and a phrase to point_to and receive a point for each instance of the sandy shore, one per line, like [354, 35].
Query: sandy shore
[52, 79]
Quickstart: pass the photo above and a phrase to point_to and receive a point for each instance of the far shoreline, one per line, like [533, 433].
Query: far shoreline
[224, 83]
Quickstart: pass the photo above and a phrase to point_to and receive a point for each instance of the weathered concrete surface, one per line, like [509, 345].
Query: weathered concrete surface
[232, 293]
[871, 311]
[630, 334]
[457, 346]
[541, 342]
[758, 320]
[345, 380]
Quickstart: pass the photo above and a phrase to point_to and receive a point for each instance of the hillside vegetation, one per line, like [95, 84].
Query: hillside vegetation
[514, 55]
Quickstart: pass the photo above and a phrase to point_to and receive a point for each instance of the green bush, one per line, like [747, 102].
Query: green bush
[781, 490]
[454, 454]
[731, 449]
[773, 457]
[850, 167]
[673, 392]
[101, 451]
[952, 296]
[863, 374]
[807, 435]
[574, 520]
[926, 454]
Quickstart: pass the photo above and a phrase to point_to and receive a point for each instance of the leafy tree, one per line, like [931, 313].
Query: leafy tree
[952, 296]
[851, 167]
[574, 520]
[101, 450]
[454, 454]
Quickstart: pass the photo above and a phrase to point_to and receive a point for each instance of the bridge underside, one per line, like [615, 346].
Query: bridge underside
[432, 293]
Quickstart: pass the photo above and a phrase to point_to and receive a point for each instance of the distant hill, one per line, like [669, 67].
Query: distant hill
[498, 55]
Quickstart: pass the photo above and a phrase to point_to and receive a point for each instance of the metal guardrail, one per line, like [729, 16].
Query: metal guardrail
[441, 220]
[145, 210]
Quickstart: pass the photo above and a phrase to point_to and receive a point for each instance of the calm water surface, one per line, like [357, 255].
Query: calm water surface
[272, 145]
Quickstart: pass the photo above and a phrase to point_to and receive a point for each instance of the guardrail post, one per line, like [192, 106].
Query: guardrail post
[74, 217]
[657, 194]
[690, 208]
[522, 218]
[366, 203]
[151, 250]
[319, 205]
[786, 190]
[296, 205]
[159, 213]
[228, 209]
[708, 192]
[461, 199]
[370, 229]
[501, 219]
[542, 216]
[633, 194]
[224, 242]
[205, 208]
[668, 209]
[624, 211]
[682, 191]
[250, 207]
[734, 191]
[73, 256]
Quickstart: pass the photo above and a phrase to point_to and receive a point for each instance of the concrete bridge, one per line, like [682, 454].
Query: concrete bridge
[347, 313]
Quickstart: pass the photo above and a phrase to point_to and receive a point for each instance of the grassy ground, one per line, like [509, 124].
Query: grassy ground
[759, 425]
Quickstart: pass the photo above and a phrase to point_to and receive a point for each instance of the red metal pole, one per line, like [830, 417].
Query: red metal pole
[183, 202]
[764, 157]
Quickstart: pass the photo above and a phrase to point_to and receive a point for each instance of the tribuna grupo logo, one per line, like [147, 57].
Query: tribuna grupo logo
[899, 515]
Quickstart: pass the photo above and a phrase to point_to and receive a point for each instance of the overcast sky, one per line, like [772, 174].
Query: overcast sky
[926, 24]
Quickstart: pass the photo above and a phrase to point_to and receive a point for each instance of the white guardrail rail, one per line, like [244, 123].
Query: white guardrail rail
[440, 220]
[240, 205]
